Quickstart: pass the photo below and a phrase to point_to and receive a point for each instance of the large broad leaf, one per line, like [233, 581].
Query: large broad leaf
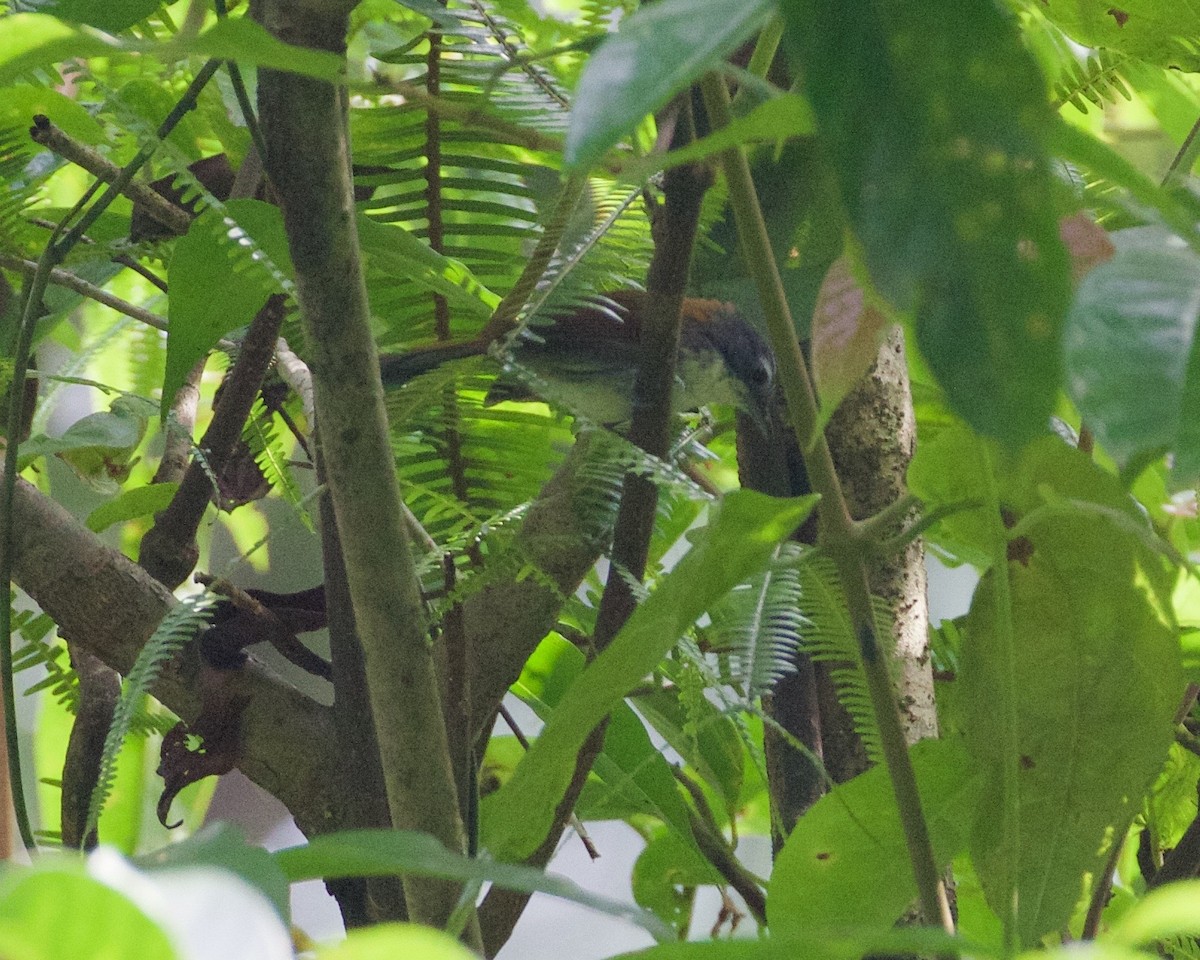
[846, 863]
[1081, 652]
[1130, 350]
[215, 287]
[221, 845]
[391, 251]
[98, 447]
[737, 542]
[1161, 31]
[657, 52]
[821, 944]
[935, 115]
[55, 911]
[1170, 911]
[110, 15]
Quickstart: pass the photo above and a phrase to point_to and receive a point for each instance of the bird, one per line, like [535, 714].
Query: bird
[584, 360]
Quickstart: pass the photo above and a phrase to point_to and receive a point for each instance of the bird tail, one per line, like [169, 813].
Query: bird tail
[397, 369]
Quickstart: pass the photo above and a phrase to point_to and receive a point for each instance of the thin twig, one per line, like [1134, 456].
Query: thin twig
[64, 278]
[159, 207]
[717, 851]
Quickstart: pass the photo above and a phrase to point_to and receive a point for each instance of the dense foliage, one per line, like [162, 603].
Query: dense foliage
[979, 219]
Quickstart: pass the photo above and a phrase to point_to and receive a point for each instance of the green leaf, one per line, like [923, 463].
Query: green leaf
[1162, 32]
[111, 15]
[1130, 350]
[630, 776]
[738, 540]
[820, 944]
[657, 52]
[1170, 911]
[21, 103]
[391, 940]
[247, 42]
[1095, 677]
[222, 845]
[846, 863]
[665, 876]
[934, 116]
[216, 287]
[138, 502]
[779, 118]
[97, 447]
[391, 251]
[1178, 209]
[381, 853]
[56, 911]
[34, 40]
[948, 469]
[709, 743]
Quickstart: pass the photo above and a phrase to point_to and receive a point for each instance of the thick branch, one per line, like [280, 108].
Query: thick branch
[169, 549]
[308, 165]
[111, 606]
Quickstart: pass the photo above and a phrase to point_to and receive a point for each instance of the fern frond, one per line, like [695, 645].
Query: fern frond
[262, 437]
[759, 624]
[605, 14]
[830, 638]
[462, 462]
[146, 360]
[17, 236]
[1096, 80]
[182, 622]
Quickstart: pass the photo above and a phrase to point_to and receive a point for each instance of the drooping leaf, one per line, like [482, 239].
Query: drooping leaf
[112, 17]
[1094, 677]
[657, 52]
[948, 471]
[849, 324]
[631, 777]
[34, 40]
[845, 863]
[22, 102]
[98, 447]
[935, 117]
[138, 502]
[665, 876]
[215, 287]
[774, 120]
[375, 853]
[222, 845]
[1130, 350]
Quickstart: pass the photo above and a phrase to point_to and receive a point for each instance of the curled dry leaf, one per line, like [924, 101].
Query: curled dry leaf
[850, 321]
[1087, 242]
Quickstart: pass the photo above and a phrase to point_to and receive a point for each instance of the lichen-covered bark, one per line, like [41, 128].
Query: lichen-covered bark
[871, 438]
[308, 163]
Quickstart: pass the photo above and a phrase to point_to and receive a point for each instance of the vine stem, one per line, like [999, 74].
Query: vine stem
[839, 535]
